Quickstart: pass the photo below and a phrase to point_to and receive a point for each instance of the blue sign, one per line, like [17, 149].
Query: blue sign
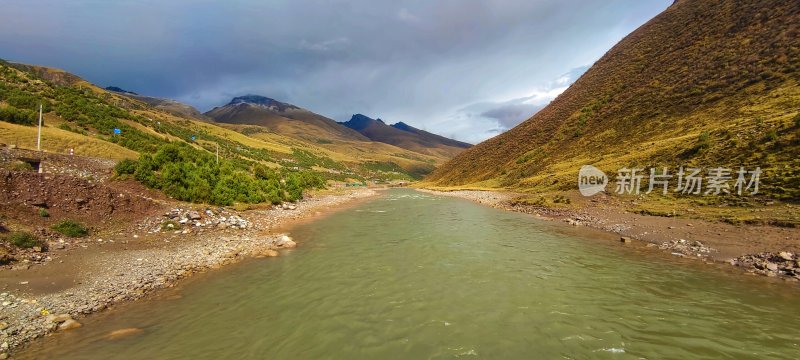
[117, 131]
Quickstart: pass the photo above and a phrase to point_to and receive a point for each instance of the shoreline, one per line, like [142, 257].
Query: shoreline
[127, 273]
[753, 249]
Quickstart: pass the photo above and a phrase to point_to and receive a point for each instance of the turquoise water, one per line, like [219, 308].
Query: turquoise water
[416, 276]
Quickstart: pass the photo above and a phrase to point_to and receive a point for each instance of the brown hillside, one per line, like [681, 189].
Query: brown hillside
[706, 83]
[406, 137]
[282, 118]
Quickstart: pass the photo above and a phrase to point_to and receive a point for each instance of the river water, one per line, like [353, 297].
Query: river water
[416, 276]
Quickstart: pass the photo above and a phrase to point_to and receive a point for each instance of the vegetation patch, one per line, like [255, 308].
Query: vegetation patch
[188, 174]
[24, 240]
[70, 228]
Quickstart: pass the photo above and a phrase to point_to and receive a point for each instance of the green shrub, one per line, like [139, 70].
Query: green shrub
[703, 141]
[772, 135]
[18, 116]
[21, 166]
[797, 120]
[24, 240]
[125, 167]
[188, 174]
[43, 213]
[70, 228]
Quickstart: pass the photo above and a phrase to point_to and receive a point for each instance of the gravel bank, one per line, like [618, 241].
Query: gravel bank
[128, 274]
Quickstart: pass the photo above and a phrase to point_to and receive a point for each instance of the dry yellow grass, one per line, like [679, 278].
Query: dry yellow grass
[60, 141]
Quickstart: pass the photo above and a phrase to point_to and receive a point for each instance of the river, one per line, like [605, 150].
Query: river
[417, 276]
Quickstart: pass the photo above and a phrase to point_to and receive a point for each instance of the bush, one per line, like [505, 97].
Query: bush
[797, 120]
[772, 135]
[21, 166]
[70, 228]
[24, 240]
[18, 116]
[188, 174]
[704, 141]
[43, 213]
[125, 167]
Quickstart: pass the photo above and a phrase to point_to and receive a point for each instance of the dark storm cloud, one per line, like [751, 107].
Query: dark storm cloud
[421, 62]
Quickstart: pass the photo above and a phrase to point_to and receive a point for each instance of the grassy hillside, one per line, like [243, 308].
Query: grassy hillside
[83, 117]
[704, 84]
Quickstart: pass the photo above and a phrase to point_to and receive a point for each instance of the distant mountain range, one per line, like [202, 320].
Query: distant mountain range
[290, 119]
[404, 136]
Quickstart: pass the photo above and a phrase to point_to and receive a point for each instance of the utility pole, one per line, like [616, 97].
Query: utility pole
[39, 136]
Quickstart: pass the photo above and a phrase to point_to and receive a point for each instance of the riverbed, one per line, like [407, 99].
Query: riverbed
[410, 275]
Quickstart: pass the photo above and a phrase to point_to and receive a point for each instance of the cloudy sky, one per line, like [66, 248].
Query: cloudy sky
[468, 69]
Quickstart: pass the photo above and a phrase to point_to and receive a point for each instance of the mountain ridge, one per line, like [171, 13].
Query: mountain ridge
[404, 136]
[702, 83]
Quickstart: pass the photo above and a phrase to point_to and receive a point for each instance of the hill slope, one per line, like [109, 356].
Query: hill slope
[81, 116]
[702, 84]
[282, 118]
[405, 136]
[171, 106]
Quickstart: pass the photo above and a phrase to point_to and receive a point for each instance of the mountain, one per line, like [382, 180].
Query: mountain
[704, 83]
[430, 137]
[282, 118]
[83, 117]
[171, 106]
[405, 136]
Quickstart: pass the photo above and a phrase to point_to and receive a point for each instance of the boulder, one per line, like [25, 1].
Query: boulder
[58, 318]
[786, 256]
[194, 215]
[69, 325]
[625, 239]
[772, 266]
[267, 253]
[5, 256]
[286, 242]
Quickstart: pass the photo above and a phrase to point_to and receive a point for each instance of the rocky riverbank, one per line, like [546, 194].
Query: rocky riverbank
[131, 266]
[757, 249]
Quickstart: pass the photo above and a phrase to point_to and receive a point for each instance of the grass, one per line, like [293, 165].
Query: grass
[70, 228]
[24, 240]
[60, 141]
